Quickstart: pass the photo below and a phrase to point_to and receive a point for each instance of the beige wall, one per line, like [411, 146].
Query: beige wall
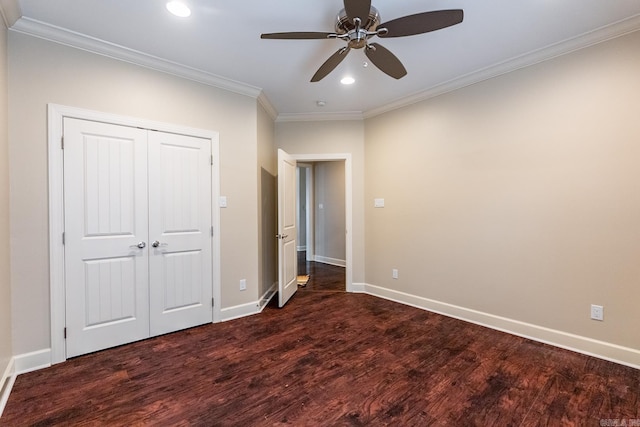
[330, 220]
[267, 194]
[41, 72]
[5, 277]
[518, 196]
[326, 138]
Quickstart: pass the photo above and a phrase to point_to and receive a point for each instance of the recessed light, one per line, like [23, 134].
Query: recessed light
[321, 103]
[179, 9]
[348, 81]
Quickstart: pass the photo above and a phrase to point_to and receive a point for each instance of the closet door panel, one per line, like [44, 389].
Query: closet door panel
[106, 258]
[180, 261]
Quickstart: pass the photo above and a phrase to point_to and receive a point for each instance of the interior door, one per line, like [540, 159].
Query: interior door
[287, 232]
[180, 232]
[106, 251]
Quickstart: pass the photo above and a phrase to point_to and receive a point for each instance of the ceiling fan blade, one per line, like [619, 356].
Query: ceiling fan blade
[421, 23]
[298, 36]
[358, 9]
[330, 64]
[385, 60]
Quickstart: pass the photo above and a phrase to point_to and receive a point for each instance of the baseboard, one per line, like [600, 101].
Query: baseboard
[301, 248]
[358, 288]
[238, 311]
[266, 298]
[8, 378]
[32, 361]
[591, 347]
[330, 261]
[21, 365]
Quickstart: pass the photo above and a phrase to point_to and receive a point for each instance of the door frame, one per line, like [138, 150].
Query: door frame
[55, 114]
[348, 194]
[309, 214]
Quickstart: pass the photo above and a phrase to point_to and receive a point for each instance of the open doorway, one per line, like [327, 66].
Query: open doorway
[322, 225]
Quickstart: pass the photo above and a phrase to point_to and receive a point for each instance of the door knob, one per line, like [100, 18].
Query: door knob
[156, 243]
[140, 245]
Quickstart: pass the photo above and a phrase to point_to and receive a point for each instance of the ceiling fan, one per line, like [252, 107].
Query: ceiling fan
[359, 21]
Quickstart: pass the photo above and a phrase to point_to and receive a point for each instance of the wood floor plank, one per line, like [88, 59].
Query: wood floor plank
[329, 358]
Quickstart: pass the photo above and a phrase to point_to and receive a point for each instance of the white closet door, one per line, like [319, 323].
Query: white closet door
[106, 248]
[180, 261]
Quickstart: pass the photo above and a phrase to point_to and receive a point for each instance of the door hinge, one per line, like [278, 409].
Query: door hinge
[212, 160]
[62, 142]
[212, 231]
[213, 302]
[63, 238]
[65, 333]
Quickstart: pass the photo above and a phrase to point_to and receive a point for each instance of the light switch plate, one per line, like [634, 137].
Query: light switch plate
[378, 203]
[222, 201]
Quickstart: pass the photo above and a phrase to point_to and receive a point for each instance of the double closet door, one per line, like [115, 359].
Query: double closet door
[138, 234]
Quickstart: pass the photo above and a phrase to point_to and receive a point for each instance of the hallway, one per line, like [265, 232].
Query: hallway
[322, 277]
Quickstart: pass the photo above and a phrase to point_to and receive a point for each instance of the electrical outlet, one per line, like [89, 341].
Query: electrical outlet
[394, 273]
[597, 312]
[243, 284]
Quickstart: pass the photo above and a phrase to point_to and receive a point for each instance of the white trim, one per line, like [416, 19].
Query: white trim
[582, 41]
[8, 378]
[320, 117]
[266, 298]
[331, 261]
[301, 248]
[348, 190]
[310, 217]
[80, 41]
[591, 347]
[73, 39]
[268, 106]
[56, 113]
[358, 288]
[33, 361]
[242, 310]
[215, 222]
[8, 372]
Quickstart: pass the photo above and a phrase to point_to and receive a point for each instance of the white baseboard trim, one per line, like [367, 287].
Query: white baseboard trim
[301, 248]
[331, 261]
[580, 344]
[8, 378]
[358, 288]
[238, 311]
[268, 296]
[32, 361]
[22, 364]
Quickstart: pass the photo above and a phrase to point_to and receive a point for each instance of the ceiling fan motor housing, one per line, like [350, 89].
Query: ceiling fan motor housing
[357, 36]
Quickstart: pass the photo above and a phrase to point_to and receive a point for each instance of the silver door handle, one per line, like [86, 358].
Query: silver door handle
[156, 243]
[281, 236]
[140, 245]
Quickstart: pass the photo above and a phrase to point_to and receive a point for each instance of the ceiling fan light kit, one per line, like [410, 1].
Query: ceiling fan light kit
[358, 22]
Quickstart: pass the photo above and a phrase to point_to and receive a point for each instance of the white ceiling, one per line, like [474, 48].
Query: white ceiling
[220, 44]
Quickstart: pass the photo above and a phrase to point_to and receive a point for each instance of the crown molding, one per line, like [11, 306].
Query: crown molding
[320, 117]
[10, 11]
[63, 36]
[268, 106]
[602, 34]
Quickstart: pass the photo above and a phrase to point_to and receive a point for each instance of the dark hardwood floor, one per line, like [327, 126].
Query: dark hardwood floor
[330, 359]
[322, 277]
